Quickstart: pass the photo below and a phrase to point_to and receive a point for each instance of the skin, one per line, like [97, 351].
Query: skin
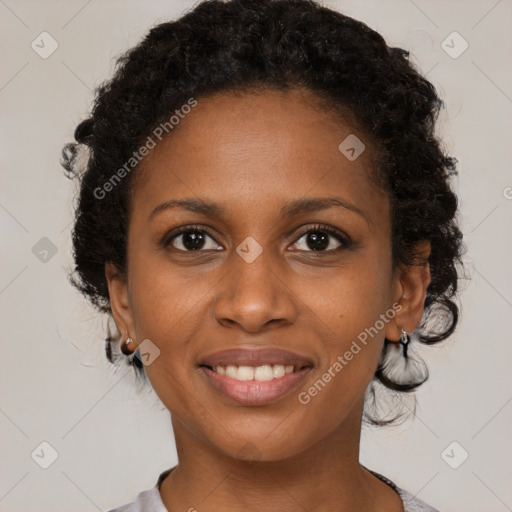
[252, 153]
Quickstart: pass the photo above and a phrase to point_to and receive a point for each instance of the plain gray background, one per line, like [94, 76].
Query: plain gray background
[111, 442]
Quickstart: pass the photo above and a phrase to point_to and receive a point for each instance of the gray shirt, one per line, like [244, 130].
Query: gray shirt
[150, 501]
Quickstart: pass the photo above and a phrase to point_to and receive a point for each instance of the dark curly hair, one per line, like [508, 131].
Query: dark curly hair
[249, 45]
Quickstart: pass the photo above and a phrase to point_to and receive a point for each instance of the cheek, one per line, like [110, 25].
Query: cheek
[351, 354]
[170, 306]
[350, 299]
[351, 312]
[165, 297]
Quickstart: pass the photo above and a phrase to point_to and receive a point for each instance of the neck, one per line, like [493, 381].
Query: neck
[327, 475]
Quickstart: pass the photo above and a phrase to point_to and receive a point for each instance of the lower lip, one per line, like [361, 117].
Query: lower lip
[254, 392]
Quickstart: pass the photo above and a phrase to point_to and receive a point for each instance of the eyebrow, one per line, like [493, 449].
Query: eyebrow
[294, 207]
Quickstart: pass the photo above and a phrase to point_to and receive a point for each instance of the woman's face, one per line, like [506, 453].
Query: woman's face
[265, 274]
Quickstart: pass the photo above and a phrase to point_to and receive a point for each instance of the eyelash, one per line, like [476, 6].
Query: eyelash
[316, 228]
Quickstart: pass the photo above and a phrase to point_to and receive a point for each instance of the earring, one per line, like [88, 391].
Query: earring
[398, 367]
[404, 341]
[124, 347]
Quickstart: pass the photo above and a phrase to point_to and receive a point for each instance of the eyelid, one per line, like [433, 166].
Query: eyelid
[343, 238]
[335, 232]
[168, 237]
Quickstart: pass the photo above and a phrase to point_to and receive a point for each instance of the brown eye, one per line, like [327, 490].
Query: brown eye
[192, 239]
[322, 239]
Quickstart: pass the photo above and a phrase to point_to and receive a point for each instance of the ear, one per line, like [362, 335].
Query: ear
[120, 300]
[410, 289]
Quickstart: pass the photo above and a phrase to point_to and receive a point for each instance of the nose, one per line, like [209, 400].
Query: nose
[254, 296]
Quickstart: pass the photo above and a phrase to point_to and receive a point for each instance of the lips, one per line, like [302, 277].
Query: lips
[255, 376]
[255, 357]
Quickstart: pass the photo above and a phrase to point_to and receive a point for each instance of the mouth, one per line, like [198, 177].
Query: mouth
[261, 373]
[255, 377]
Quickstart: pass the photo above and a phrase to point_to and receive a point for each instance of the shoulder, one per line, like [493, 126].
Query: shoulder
[151, 501]
[146, 501]
[414, 504]
[411, 502]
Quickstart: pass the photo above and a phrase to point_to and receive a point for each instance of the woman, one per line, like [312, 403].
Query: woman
[266, 213]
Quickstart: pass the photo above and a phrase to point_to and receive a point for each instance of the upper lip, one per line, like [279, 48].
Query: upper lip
[255, 357]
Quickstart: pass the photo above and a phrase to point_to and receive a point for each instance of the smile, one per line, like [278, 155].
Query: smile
[255, 377]
[260, 373]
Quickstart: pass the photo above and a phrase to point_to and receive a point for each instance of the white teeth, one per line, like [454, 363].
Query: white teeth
[260, 373]
[231, 371]
[245, 373]
[278, 370]
[263, 373]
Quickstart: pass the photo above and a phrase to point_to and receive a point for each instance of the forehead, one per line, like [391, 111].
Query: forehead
[257, 149]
